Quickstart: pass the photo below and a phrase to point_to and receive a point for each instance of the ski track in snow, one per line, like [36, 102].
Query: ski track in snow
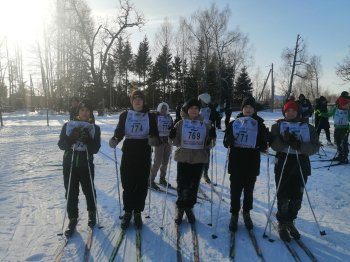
[33, 204]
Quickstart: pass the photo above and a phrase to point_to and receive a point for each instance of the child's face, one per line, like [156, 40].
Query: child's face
[248, 110]
[163, 110]
[84, 114]
[290, 114]
[137, 104]
[193, 112]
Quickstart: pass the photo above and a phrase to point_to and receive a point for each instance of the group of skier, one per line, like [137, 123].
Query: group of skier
[194, 134]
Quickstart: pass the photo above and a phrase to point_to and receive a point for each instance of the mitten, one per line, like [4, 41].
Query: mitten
[113, 142]
[74, 135]
[212, 133]
[172, 133]
[85, 136]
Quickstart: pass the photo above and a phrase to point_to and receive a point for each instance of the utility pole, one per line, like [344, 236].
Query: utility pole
[272, 90]
[293, 67]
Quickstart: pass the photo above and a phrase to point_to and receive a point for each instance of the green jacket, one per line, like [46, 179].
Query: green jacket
[332, 113]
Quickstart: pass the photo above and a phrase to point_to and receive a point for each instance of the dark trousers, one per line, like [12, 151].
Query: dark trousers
[326, 130]
[135, 171]
[227, 118]
[341, 136]
[206, 165]
[79, 175]
[291, 189]
[188, 177]
[238, 184]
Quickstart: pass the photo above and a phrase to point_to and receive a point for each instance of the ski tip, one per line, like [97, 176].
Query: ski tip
[210, 224]
[271, 240]
[214, 236]
[323, 233]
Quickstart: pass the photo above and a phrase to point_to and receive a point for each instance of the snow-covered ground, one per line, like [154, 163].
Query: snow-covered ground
[32, 204]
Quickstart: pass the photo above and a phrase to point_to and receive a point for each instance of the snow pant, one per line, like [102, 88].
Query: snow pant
[161, 160]
[291, 189]
[322, 123]
[79, 175]
[134, 172]
[244, 183]
[341, 136]
[188, 177]
[205, 168]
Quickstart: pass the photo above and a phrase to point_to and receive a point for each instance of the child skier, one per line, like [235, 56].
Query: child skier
[79, 139]
[163, 150]
[208, 115]
[341, 116]
[294, 141]
[139, 127]
[246, 137]
[321, 122]
[192, 136]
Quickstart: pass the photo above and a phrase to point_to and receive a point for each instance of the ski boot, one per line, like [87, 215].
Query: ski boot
[179, 215]
[138, 219]
[71, 227]
[154, 186]
[283, 232]
[190, 216]
[344, 160]
[233, 223]
[206, 178]
[293, 231]
[247, 220]
[92, 218]
[126, 220]
[163, 182]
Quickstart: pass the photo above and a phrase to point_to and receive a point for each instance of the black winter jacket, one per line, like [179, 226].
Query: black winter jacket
[246, 161]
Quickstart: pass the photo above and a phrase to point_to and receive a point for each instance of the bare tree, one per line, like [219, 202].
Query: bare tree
[343, 69]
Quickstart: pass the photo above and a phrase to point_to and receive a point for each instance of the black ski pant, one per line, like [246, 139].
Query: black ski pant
[242, 183]
[326, 130]
[206, 165]
[188, 177]
[341, 136]
[291, 189]
[80, 175]
[135, 171]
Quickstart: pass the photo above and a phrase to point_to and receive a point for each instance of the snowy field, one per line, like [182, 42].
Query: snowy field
[32, 204]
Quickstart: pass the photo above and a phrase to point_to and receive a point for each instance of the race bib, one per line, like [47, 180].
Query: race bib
[299, 130]
[164, 123]
[205, 113]
[136, 125]
[193, 134]
[245, 132]
[341, 117]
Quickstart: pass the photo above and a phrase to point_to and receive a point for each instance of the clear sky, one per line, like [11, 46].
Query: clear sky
[271, 25]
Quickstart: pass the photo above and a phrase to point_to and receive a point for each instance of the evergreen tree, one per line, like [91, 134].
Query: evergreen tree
[143, 60]
[243, 86]
[164, 69]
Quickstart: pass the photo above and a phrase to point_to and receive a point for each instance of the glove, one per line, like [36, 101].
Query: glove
[113, 142]
[85, 136]
[172, 133]
[318, 112]
[74, 135]
[294, 142]
[212, 133]
[286, 136]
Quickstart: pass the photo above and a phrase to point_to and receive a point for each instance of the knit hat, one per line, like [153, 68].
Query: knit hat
[137, 94]
[342, 102]
[248, 101]
[301, 96]
[85, 103]
[344, 94]
[191, 102]
[290, 104]
[322, 98]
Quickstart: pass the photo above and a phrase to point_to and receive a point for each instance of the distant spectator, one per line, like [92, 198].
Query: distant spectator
[305, 107]
[178, 112]
[228, 111]
[74, 109]
[321, 122]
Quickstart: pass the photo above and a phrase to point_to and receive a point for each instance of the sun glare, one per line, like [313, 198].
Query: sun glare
[21, 21]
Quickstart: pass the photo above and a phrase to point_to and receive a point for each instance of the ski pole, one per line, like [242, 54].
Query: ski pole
[211, 191]
[274, 198]
[149, 187]
[332, 160]
[167, 186]
[92, 188]
[214, 236]
[216, 168]
[118, 187]
[268, 192]
[68, 190]
[322, 232]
